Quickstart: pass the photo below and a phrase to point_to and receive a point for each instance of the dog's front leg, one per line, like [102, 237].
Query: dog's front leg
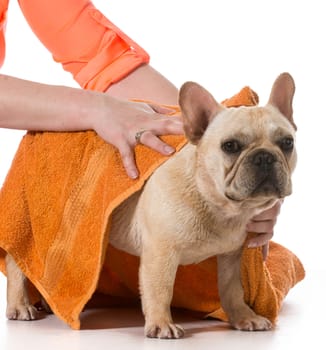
[157, 274]
[240, 315]
[18, 304]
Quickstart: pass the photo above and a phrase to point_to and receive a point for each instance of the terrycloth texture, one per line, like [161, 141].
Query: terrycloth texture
[55, 209]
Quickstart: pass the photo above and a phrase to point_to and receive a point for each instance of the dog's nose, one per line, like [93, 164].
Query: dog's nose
[263, 159]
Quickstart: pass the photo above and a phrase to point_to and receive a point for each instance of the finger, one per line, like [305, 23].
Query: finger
[261, 226]
[152, 141]
[269, 213]
[128, 161]
[265, 251]
[161, 109]
[167, 126]
[259, 240]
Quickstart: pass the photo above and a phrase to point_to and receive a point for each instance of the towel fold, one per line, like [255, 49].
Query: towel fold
[55, 209]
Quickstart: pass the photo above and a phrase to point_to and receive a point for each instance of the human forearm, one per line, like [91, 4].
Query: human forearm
[145, 83]
[28, 105]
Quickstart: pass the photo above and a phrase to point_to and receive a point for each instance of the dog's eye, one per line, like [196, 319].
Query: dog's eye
[231, 146]
[287, 144]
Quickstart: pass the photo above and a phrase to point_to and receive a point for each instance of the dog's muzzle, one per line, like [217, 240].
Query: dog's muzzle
[263, 160]
[266, 177]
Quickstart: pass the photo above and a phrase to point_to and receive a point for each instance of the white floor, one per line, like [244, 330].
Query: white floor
[300, 325]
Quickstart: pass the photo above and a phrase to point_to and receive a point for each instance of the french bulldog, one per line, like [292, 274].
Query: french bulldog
[238, 162]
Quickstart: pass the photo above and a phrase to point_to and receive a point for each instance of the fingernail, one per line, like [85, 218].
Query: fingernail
[168, 150]
[133, 174]
[252, 245]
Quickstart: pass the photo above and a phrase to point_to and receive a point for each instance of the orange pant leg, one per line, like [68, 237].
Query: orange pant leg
[84, 41]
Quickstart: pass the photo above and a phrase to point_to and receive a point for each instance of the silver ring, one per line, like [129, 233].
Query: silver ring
[138, 135]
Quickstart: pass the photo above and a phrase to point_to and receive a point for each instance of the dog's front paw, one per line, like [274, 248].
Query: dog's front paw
[22, 312]
[164, 330]
[252, 323]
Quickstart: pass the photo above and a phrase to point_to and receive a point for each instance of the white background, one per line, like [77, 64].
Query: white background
[223, 45]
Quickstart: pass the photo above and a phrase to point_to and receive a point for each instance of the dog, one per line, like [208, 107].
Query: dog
[238, 162]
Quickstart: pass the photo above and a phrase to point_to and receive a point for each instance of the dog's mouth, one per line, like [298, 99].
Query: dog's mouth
[261, 176]
[232, 197]
[267, 187]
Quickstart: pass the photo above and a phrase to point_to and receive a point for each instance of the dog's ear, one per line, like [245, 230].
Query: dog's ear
[198, 108]
[282, 94]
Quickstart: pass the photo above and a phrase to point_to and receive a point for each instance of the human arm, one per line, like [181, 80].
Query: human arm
[28, 105]
[87, 44]
[101, 57]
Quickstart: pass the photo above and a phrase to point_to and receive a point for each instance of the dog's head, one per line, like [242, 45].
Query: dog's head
[245, 155]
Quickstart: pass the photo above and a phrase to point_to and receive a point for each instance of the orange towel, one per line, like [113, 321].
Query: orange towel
[55, 208]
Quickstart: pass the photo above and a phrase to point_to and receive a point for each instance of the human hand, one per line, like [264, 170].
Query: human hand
[263, 224]
[120, 120]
